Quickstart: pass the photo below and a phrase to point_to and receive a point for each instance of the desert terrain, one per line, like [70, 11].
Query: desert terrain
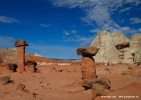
[56, 82]
[40, 78]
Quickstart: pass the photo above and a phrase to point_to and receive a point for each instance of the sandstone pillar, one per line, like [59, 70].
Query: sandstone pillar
[21, 54]
[88, 67]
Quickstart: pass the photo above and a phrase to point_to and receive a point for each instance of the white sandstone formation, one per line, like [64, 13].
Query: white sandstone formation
[108, 53]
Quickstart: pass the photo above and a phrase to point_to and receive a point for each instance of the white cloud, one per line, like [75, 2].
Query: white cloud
[135, 20]
[74, 31]
[99, 12]
[125, 9]
[72, 36]
[136, 2]
[7, 41]
[140, 30]
[69, 32]
[45, 25]
[66, 32]
[80, 39]
[73, 26]
[5, 19]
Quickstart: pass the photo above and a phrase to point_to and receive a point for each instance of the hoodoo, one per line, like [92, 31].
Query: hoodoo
[20, 44]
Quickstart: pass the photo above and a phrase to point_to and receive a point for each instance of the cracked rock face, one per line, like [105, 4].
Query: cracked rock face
[115, 47]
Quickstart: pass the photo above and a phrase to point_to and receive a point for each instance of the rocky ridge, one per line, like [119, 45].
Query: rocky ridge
[108, 53]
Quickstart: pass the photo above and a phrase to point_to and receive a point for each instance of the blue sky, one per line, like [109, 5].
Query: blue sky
[56, 28]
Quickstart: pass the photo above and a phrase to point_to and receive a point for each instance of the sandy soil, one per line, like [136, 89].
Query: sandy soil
[66, 85]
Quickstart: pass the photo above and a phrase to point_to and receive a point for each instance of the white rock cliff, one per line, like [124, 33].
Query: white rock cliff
[108, 53]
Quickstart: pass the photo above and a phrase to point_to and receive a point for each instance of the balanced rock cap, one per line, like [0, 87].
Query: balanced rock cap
[87, 51]
[122, 45]
[19, 43]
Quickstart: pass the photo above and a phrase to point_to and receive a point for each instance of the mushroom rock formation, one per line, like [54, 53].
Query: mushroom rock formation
[123, 52]
[53, 70]
[21, 54]
[30, 66]
[88, 68]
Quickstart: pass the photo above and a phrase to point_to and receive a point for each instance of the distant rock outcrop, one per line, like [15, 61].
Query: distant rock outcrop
[9, 55]
[115, 47]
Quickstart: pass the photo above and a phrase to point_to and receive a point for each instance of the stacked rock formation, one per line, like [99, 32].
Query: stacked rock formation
[97, 86]
[30, 66]
[88, 68]
[115, 47]
[21, 54]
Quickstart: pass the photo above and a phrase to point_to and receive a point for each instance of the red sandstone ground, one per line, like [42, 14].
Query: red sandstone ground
[66, 85]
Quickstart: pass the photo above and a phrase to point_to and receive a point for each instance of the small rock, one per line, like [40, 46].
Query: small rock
[4, 80]
[20, 87]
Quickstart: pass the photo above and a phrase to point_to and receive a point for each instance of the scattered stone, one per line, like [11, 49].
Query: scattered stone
[4, 80]
[20, 87]
[12, 67]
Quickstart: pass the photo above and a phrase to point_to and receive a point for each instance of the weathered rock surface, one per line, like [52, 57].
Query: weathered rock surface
[20, 87]
[87, 51]
[115, 47]
[97, 86]
[19, 43]
[4, 80]
[88, 68]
